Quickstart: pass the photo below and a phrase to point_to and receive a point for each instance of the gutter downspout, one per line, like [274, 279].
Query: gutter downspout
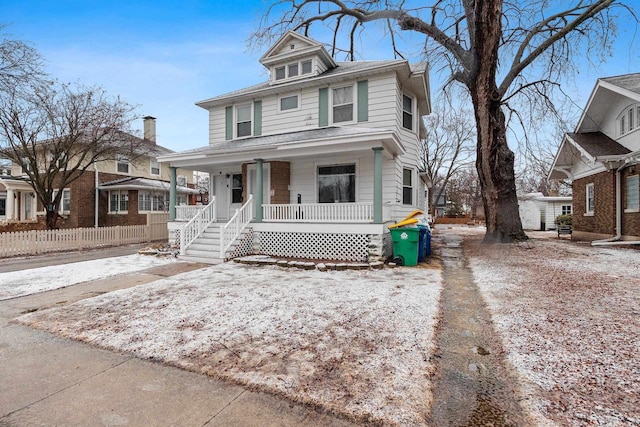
[615, 240]
[97, 197]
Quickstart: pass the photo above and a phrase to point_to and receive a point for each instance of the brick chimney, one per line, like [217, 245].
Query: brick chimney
[150, 128]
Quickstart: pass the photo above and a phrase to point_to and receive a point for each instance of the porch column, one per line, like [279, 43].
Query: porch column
[10, 207]
[172, 193]
[259, 190]
[377, 185]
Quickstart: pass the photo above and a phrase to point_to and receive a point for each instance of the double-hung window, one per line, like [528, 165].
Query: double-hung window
[407, 112]
[144, 201]
[407, 187]
[122, 164]
[342, 102]
[155, 167]
[633, 193]
[65, 201]
[337, 184]
[243, 120]
[119, 201]
[590, 199]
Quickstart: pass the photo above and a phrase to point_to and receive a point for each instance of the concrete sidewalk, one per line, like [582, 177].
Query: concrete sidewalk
[47, 380]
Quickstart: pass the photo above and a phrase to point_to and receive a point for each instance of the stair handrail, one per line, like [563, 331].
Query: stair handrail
[196, 226]
[230, 231]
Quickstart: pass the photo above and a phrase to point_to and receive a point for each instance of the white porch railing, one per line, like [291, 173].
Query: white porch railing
[187, 212]
[319, 212]
[194, 228]
[232, 229]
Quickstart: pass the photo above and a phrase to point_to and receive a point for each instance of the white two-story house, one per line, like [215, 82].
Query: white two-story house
[313, 163]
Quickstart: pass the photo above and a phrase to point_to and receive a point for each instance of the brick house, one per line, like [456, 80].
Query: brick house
[602, 159]
[123, 191]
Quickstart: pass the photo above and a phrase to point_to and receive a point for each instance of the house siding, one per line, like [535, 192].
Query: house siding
[630, 220]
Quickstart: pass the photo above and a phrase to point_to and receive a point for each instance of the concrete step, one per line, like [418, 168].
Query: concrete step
[203, 253]
[202, 260]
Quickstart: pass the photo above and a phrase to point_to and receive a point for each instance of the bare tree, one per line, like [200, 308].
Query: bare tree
[447, 147]
[499, 51]
[463, 191]
[56, 132]
[20, 64]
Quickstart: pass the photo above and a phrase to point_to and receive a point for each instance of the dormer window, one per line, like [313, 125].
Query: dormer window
[293, 70]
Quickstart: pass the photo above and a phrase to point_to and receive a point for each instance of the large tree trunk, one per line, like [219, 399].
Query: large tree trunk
[495, 166]
[51, 219]
[494, 158]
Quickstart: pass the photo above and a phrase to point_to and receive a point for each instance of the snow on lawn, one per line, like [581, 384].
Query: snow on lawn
[26, 282]
[354, 342]
[570, 319]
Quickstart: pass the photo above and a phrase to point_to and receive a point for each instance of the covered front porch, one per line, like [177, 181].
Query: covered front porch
[323, 196]
[18, 202]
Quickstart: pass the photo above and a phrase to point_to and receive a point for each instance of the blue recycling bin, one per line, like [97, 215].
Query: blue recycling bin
[422, 242]
[427, 248]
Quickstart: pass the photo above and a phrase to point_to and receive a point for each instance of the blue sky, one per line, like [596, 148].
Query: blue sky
[163, 56]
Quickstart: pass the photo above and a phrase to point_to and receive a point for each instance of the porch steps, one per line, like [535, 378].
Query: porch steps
[206, 248]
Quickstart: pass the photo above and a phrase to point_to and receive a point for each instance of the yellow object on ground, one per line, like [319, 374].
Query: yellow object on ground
[408, 220]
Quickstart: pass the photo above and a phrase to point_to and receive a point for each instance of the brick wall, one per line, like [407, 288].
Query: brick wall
[603, 220]
[630, 220]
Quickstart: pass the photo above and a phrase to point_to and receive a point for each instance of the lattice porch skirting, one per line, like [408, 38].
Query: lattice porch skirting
[330, 246]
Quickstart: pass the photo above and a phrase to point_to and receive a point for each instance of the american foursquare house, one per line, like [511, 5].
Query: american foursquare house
[314, 163]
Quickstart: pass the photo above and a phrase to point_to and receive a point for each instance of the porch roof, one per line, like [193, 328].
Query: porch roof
[133, 183]
[300, 143]
[15, 183]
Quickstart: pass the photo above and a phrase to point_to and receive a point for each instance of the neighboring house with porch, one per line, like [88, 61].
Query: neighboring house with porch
[318, 159]
[601, 157]
[109, 193]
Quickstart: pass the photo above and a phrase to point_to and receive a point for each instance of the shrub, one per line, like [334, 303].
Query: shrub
[564, 219]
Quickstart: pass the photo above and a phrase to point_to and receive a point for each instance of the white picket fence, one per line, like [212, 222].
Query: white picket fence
[42, 241]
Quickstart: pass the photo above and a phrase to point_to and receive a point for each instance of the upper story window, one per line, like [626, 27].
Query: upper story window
[122, 164]
[407, 112]
[292, 70]
[243, 120]
[629, 120]
[342, 104]
[155, 167]
[289, 103]
[181, 180]
[590, 204]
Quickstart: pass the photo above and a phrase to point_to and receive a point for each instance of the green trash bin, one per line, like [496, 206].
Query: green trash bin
[406, 245]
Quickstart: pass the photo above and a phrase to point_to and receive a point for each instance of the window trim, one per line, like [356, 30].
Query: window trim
[153, 195]
[410, 186]
[588, 212]
[628, 120]
[151, 162]
[235, 120]
[412, 113]
[626, 194]
[347, 162]
[61, 209]
[232, 187]
[280, 98]
[181, 180]
[563, 210]
[287, 75]
[123, 160]
[354, 102]
[118, 211]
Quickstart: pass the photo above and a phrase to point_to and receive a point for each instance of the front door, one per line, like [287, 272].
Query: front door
[222, 188]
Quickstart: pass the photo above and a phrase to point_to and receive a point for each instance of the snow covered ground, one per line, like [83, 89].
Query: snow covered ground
[26, 282]
[569, 317]
[355, 342]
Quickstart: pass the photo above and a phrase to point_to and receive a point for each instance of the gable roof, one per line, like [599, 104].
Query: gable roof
[606, 89]
[304, 46]
[597, 144]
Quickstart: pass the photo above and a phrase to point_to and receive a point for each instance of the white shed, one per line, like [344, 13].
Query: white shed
[538, 212]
